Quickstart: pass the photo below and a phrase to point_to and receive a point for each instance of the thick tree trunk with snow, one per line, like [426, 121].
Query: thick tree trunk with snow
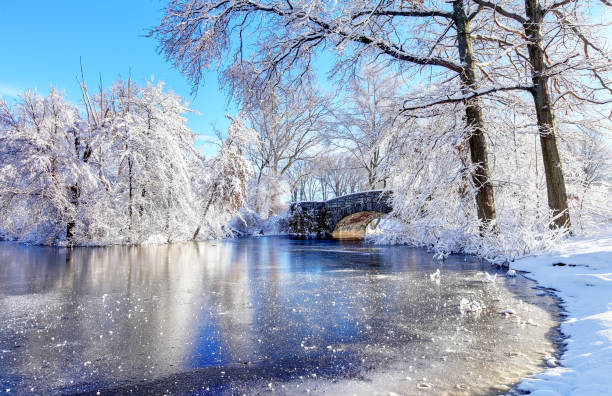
[485, 201]
[555, 182]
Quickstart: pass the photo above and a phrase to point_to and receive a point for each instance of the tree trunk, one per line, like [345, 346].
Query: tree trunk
[485, 201]
[555, 182]
[199, 227]
[371, 178]
[74, 200]
[75, 191]
[130, 197]
[206, 208]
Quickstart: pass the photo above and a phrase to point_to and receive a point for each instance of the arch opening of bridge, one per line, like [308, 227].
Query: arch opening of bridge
[341, 217]
[354, 226]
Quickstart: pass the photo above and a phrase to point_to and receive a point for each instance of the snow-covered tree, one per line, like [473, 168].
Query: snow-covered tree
[290, 126]
[555, 50]
[368, 126]
[42, 167]
[126, 171]
[154, 152]
[435, 35]
[224, 187]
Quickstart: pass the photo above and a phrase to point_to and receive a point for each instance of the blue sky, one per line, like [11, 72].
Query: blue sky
[43, 40]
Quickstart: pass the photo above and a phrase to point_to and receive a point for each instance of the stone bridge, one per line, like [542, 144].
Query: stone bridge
[345, 216]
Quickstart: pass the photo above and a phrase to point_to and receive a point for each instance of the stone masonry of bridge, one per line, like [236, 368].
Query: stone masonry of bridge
[320, 218]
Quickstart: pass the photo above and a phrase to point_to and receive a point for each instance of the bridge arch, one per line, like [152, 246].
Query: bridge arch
[354, 225]
[321, 218]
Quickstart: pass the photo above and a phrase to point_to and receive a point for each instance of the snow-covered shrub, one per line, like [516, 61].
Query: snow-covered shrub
[277, 225]
[247, 222]
[268, 194]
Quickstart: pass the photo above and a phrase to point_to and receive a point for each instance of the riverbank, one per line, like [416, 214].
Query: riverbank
[580, 272]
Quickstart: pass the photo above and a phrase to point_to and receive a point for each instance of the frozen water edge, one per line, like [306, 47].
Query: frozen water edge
[580, 270]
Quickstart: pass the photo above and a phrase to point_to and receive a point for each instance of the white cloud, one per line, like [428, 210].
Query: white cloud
[7, 90]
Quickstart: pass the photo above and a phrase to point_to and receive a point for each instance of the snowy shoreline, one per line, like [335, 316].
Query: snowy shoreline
[579, 271]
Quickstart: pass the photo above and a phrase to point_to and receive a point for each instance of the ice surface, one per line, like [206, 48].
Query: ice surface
[258, 314]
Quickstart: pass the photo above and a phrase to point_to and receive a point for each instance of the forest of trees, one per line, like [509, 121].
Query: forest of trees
[485, 118]
[490, 122]
[123, 170]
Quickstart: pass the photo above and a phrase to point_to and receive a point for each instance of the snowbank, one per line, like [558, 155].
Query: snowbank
[580, 272]
[249, 222]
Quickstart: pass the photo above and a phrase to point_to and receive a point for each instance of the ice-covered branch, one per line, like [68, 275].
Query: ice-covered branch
[467, 97]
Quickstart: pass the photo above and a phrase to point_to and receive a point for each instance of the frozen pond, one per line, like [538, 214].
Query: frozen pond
[262, 315]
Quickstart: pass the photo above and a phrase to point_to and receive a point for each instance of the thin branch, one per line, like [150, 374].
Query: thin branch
[469, 96]
[501, 10]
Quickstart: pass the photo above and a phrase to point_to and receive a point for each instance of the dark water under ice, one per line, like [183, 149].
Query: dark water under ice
[261, 315]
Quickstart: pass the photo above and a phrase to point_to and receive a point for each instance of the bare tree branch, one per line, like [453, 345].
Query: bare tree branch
[469, 96]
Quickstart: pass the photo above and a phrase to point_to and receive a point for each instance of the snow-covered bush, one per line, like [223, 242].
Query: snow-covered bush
[277, 225]
[268, 194]
[246, 222]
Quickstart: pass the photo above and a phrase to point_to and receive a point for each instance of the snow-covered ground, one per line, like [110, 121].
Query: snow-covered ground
[249, 222]
[580, 270]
